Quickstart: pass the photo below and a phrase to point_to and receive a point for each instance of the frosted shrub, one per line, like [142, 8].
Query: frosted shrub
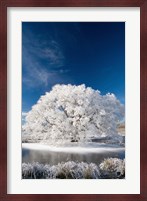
[32, 170]
[112, 168]
[73, 114]
[68, 170]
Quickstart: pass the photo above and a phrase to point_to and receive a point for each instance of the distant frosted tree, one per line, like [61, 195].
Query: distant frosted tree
[70, 113]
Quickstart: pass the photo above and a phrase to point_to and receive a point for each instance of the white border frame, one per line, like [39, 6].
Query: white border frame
[132, 93]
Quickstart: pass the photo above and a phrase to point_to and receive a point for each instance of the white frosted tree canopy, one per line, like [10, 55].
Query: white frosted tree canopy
[70, 113]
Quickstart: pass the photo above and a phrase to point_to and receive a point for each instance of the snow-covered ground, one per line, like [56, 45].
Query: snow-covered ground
[111, 168]
[73, 161]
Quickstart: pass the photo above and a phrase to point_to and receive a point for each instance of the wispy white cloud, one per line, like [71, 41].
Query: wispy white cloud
[34, 73]
[53, 53]
[24, 114]
[42, 62]
[64, 70]
[37, 76]
[44, 49]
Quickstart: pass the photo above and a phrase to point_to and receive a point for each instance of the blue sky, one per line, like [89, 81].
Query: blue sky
[90, 53]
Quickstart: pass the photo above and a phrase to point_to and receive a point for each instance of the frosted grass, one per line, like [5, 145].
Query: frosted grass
[111, 168]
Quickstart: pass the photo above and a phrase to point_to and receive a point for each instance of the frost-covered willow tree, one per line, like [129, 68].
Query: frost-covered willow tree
[70, 113]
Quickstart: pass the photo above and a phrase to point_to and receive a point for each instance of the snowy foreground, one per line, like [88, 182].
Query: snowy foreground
[111, 168]
[87, 161]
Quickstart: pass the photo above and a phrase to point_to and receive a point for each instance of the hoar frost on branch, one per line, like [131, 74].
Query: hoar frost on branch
[70, 113]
